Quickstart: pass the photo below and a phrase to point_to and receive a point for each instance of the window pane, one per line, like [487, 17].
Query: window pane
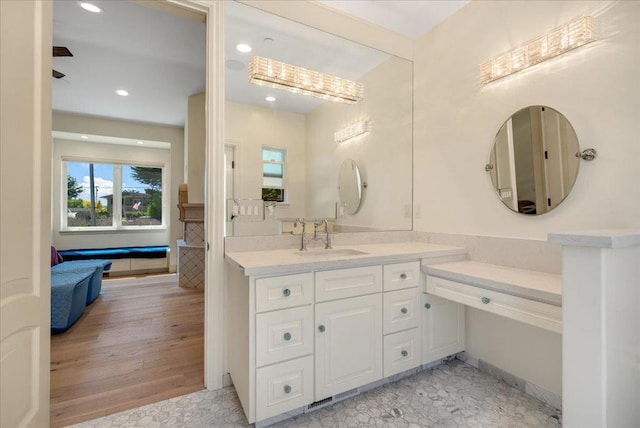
[80, 211]
[141, 196]
[272, 170]
[272, 182]
[272, 155]
[273, 195]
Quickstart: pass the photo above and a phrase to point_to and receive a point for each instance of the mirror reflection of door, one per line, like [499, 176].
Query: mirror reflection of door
[533, 159]
[229, 183]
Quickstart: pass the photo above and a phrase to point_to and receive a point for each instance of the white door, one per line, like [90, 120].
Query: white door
[25, 229]
[348, 344]
[443, 331]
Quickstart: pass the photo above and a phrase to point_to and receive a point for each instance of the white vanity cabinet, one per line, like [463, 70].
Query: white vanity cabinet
[297, 339]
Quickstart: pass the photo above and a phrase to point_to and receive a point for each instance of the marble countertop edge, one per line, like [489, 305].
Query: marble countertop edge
[605, 238]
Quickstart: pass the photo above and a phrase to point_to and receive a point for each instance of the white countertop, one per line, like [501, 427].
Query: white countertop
[528, 284]
[610, 238]
[278, 262]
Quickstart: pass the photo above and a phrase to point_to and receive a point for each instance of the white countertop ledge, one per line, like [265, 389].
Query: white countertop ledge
[609, 238]
[539, 286]
[288, 261]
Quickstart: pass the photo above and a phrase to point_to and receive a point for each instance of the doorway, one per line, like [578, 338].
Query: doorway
[140, 311]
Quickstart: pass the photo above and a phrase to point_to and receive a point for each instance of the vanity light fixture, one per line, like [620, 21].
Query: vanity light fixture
[561, 39]
[276, 74]
[350, 131]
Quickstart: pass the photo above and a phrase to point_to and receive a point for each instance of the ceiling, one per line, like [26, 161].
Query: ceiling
[159, 57]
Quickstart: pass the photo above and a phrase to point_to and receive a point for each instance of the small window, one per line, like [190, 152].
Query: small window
[141, 196]
[273, 174]
[89, 194]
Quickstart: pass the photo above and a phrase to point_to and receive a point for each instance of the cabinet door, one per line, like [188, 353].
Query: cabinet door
[443, 330]
[348, 344]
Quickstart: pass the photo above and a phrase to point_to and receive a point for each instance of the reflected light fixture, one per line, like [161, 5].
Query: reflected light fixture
[90, 7]
[243, 47]
[270, 98]
[350, 131]
[561, 39]
[276, 74]
[122, 92]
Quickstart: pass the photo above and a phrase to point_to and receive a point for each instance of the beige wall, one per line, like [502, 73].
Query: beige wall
[194, 147]
[249, 128]
[456, 118]
[66, 122]
[383, 154]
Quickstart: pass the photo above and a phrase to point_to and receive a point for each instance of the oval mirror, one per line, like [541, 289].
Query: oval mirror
[350, 186]
[534, 161]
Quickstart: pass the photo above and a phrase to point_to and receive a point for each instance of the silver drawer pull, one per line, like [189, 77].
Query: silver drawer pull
[404, 310]
[403, 276]
[286, 292]
[427, 305]
[287, 389]
[287, 336]
[404, 353]
[486, 300]
[321, 329]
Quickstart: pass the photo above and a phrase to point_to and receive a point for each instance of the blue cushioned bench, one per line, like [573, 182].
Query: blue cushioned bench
[68, 298]
[95, 267]
[152, 252]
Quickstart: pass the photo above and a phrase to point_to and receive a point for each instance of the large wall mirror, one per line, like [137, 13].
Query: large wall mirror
[282, 145]
[534, 160]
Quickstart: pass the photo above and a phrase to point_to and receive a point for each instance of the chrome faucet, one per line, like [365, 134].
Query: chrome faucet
[303, 243]
[327, 240]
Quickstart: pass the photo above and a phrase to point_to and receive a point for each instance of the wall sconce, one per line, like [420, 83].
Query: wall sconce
[562, 39]
[276, 74]
[350, 131]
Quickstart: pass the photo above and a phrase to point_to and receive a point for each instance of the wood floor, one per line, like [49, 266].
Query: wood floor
[140, 342]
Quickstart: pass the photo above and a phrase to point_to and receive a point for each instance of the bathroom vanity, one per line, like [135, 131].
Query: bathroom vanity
[309, 328]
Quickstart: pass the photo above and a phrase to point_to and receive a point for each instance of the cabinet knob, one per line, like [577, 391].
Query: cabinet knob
[427, 305]
[286, 292]
[485, 300]
[403, 276]
[287, 389]
[287, 336]
[404, 310]
[321, 329]
[404, 353]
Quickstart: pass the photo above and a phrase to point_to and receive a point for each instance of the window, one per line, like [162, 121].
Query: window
[113, 196]
[273, 174]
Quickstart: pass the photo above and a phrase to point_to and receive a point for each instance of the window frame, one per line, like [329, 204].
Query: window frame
[285, 191]
[116, 221]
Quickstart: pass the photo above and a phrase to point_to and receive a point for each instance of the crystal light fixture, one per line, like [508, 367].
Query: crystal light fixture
[562, 39]
[350, 131]
[276, 74]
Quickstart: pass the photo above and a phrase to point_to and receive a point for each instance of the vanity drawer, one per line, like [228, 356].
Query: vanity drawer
[401, 310]
[527, 311]
[283, 335]
[401, 275]
[402, 351]
[284, 292]
[342, 283]
[284, 387]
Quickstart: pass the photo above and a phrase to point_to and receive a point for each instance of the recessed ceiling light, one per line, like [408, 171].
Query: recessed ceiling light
[84, 137]
[122, 92]
[270, 98]
[139, 142]
[243, 47]
[90, 7]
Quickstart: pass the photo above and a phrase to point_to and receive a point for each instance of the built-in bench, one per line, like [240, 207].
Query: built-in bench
[125, 259]
[528, 296]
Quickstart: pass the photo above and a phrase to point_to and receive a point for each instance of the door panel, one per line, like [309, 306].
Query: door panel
[25, 186]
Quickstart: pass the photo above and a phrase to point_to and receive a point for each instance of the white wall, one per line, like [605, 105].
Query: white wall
[249, 128]
[194, 147]
[383, 154]
[116, 128]
[456, 118]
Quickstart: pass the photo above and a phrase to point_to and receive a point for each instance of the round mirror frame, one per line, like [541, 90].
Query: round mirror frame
[350, 186]
[539, 142]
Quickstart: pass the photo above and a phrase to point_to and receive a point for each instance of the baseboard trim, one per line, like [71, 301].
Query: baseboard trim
[529, 388]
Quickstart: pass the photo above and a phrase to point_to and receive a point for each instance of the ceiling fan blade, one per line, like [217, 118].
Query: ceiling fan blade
[57, 74]
[61, 51]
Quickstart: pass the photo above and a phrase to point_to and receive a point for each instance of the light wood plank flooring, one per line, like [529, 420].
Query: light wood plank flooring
[140, 342]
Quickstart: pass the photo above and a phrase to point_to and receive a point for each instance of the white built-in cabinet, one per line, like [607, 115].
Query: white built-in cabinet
[297, 339]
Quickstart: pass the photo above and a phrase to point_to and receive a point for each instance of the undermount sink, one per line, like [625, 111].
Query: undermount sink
[341, 252]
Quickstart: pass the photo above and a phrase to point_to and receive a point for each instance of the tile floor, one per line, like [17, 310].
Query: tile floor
[453, 394]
